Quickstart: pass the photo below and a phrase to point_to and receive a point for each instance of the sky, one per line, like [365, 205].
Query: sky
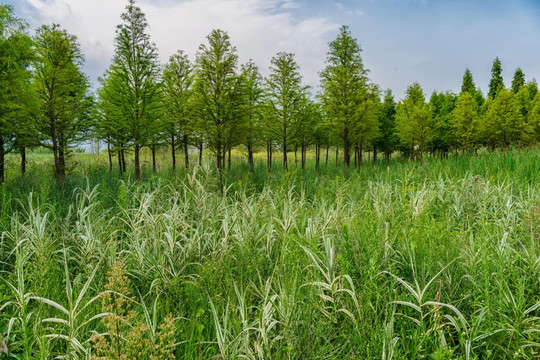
[403, 41]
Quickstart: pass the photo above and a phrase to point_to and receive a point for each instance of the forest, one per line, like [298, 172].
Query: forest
[225, 214]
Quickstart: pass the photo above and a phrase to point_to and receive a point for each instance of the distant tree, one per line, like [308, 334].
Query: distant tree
[413, 120]
[441, 106]
[252, 108]
[285, 95]
[16, 96]
[534, 119]
[387, 139]
[216, 93]
[518, 81]
[62, 88]
[504, 123]
[464, 122]
[346, 94]
[367, 123]
[496, 82]
[467, 84]
[178, 77]
[136, 81]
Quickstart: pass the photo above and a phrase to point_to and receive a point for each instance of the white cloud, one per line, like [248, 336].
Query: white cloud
[258, 28]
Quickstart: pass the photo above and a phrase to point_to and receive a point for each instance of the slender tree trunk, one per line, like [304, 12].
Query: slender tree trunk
[186, 152]
[327, 149]
[346, 154]
[109, 154]
[285, 164]
[55, 152]
[356, 156]
[200, 152]
[154, 158]
[374, 154]
[303, 156]
[295, 155]
[250, 157]
[337, 154]
[173, 153]
[62, 161]
[120, 168]
[23, 160]
[360, 152]
[229, 160]
[124, 160]
[137, 162]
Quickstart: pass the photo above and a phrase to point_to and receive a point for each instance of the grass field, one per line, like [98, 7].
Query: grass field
[434, 259]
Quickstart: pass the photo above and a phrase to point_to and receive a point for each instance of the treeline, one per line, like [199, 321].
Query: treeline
[215, 103]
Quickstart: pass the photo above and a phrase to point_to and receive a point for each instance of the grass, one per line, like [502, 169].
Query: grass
[438, 259]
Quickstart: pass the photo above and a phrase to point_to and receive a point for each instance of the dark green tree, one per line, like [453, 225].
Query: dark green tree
[496, 82]
[413, 120]
[285, 95]
[136, 81]
[518, 81]
[178, 77]
[387, 139]
[63, 93]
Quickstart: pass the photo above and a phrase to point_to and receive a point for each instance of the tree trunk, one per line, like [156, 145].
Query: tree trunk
[109, 153]
[296, 156]
[154, 158]
[303, 156]
[229, 160]
[285, 164]
[250, 157]
[317, 156]
[360, 152]
[123, 153]
[23, 160]
[337, 154]
[346, 154]
[269, 154]
[137, 163]
[186, 152]
[374, 154]
[356, 156]
[200, 152]
[62, 162]
[173, 153]
[327, 149]
[120, 168]
[55, 153]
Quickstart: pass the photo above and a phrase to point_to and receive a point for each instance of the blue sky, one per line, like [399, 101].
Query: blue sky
[403, 41]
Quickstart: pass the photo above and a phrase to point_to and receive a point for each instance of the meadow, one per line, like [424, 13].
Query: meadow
[430, 259]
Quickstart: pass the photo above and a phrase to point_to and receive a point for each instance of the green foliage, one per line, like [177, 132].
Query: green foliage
[464, 122]
[503, 122]
[496, 83]
[413, 121]
[518, 82]
[387, 140]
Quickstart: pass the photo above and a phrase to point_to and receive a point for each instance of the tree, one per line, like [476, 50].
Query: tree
[504, 123]
[496, 82]
[346, 94]
[16, 96]
[252, 107]
[387, 139]
[136, 83]
[412, 120]
[518, 81]
[464, 123]
[178, 80]
[534, 119]
[217, 89]
[63, 93]
[467, 85]
[441, 106]
[285, 94]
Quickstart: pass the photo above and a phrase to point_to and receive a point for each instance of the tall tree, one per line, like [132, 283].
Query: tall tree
[345, 91]
[496, 83]
[252, 108]
[16, 98]
[285, 95]
[534, 119]
[413, 120]
[387, 139]
[504, 123]
[467, 85]
[518, 81]
[63, 92]
[178, 79]
[441, 106]
[464, 122]
[136, 85]
[217, 91]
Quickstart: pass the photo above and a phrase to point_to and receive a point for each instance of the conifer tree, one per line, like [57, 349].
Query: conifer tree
[464, 123]
[518, 81]
[496, 82]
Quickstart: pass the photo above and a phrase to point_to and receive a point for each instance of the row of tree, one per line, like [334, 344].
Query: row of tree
[217, 104]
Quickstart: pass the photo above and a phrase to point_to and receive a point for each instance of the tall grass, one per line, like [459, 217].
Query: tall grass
[436, 259]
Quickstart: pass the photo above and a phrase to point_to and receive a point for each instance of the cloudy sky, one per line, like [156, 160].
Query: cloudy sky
[403, 41]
